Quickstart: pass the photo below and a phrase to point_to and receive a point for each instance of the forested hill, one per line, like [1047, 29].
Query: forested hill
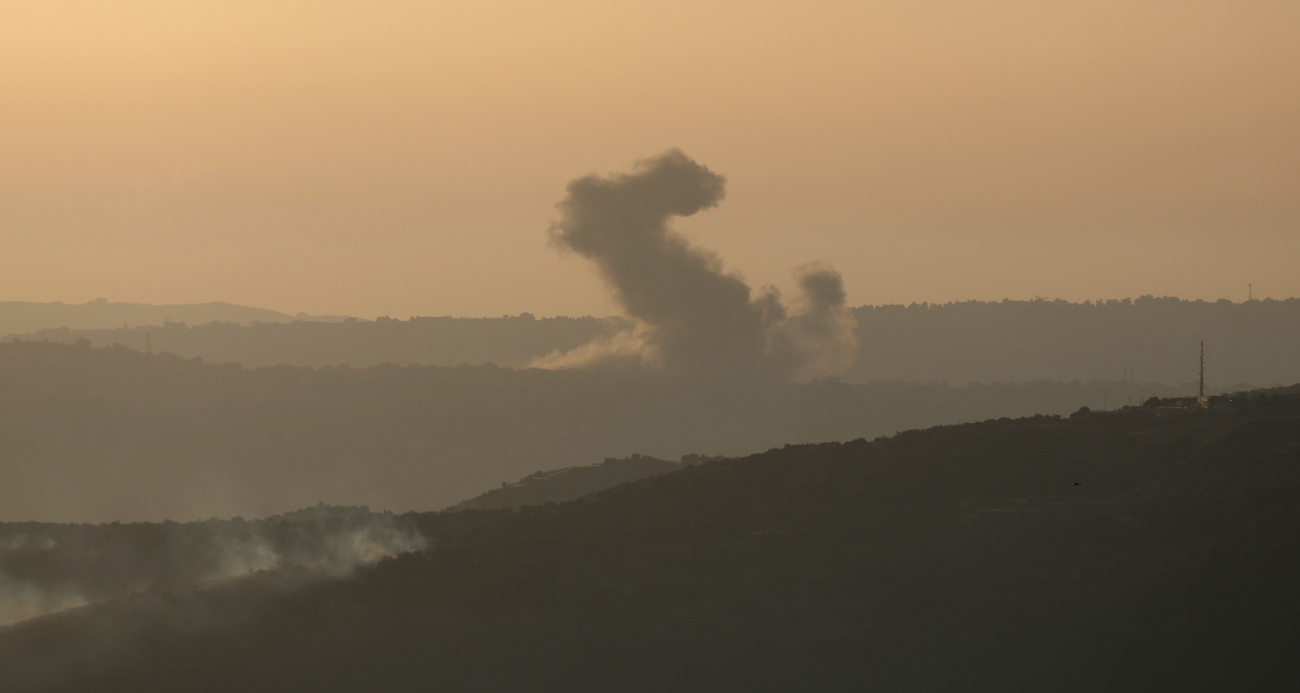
[114, 434]
[1156, 339]
[1107, 551]
[559, 485]
[512, 341]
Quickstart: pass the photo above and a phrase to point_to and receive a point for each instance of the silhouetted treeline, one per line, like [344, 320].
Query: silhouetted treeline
[558, 485]
[512, 341]
[1154, 339]
[113, 434]
[1104, 552]
[18, 317]
[1147, 339]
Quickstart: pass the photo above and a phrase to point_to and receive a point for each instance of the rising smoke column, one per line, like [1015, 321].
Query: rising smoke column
[818, 340]
[692, 317]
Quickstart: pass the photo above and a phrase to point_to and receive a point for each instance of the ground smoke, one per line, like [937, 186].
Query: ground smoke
[40, 575]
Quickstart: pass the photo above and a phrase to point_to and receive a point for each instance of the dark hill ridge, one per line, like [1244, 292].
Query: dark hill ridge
[559, 485]
[1114, 551]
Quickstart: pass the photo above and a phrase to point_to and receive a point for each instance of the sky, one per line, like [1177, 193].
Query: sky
[405, 158]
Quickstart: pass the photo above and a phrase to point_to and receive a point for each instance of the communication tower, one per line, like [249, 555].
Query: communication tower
[1202, 390]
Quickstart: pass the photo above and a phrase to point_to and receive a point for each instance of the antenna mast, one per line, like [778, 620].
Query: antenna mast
[1202, 369]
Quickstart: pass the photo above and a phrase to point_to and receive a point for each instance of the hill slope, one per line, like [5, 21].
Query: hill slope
[113, 434]
[1104, 552]
[559, 485]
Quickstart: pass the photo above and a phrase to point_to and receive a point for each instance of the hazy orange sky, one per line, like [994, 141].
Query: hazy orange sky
[404, 158]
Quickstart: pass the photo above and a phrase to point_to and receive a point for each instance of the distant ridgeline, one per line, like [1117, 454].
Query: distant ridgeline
[1157, 339]
[114, 434]
[21, 317]
[511, 341]
[1147, 339]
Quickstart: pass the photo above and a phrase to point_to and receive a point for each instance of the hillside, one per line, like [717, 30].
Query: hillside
[1106, 551]
[559, 485]
[1154, 339]
[113, 434]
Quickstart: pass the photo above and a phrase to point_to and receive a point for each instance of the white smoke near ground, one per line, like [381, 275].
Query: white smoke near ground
[20, 601]
[339, 553]
[336, 554]
[322, 547]
[242, 556]
[628, 346]
[23, 541]
[691, 316]
[366, 546]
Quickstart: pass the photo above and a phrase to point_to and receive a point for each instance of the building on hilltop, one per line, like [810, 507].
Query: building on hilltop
[1217, 403]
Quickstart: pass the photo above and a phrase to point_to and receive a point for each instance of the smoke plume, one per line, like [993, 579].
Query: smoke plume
[39, 575]
[691, 316]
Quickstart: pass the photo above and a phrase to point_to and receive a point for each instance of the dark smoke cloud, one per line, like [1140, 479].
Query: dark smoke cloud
[691, 316]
